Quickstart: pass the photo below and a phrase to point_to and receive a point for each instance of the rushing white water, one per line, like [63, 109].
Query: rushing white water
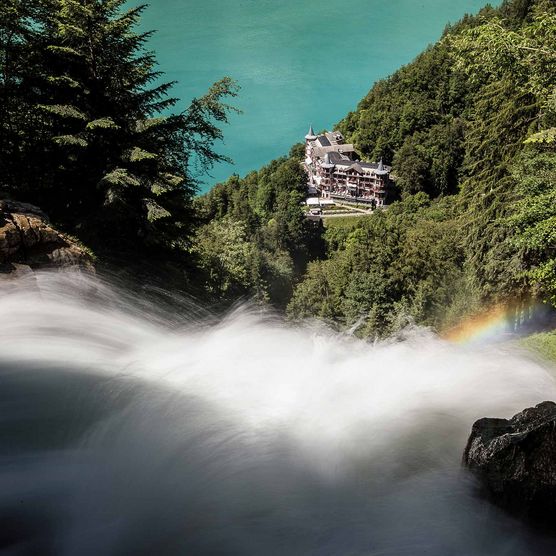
[130, 428]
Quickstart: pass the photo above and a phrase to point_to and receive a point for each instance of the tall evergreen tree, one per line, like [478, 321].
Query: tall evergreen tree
[113, 162]
[18, 69]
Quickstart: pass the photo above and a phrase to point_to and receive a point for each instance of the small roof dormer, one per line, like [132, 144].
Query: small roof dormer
[356, 167]
[327, 162]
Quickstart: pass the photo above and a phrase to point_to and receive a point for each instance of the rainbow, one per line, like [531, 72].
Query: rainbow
[484, 327]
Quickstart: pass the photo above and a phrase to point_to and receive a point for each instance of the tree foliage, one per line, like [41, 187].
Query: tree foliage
[90, 131]
[395, 267]
[267, 204]
[470, 126]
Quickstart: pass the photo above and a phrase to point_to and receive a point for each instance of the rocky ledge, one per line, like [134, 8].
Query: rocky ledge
[515, 461]
[28, 242]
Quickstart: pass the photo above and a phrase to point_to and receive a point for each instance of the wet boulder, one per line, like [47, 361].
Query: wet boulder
[28, 241]
[515, 462]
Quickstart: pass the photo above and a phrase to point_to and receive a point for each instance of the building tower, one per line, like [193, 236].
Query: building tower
[308, 138]
[309, 155]
[310, 134]
[380, 171]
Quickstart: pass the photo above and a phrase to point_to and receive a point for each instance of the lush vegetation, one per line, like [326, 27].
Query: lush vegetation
[256, 240]
[542, 343]
[90, 133]
[469, 126]
[395, 265]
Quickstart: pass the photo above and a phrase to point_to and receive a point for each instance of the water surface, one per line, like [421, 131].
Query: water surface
[297, 61]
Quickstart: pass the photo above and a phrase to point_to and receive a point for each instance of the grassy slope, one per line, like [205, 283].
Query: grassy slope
[543, 343]
[348, 222]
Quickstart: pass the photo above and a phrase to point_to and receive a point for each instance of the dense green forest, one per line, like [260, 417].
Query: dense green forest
[256, 239]
[469, 127]
[90, 132]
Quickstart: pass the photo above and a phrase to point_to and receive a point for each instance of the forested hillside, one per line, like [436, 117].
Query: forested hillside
[468, 127]
[256, 240]
[90, 134]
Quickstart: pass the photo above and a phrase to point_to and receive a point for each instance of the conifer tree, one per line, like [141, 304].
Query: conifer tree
[18, 68]
[106, 104]
[113, 163]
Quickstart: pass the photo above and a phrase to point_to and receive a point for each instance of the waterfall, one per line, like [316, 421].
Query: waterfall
[135, 426]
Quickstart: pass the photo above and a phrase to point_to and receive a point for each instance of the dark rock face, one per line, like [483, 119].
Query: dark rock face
[515, 461]
[29, 242]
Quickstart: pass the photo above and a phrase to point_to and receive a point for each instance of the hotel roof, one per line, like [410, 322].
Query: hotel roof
[321, 151]
[338, 160]
[323, 141]
[334, 152]
[335, 137]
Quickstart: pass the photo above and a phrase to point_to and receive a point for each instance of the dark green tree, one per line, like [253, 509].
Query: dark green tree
[115, 164]
[269, 205]
[19, 65]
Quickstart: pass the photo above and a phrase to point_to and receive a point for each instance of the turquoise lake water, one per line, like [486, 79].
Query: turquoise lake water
[297, 61]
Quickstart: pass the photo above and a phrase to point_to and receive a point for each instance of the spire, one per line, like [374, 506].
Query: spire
[310, 134]
[380, 171]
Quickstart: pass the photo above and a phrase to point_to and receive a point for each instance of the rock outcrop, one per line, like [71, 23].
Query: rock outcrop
[29, 242]
[515, 461]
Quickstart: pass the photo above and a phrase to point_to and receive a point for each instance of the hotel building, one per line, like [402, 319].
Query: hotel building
[334, 172]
